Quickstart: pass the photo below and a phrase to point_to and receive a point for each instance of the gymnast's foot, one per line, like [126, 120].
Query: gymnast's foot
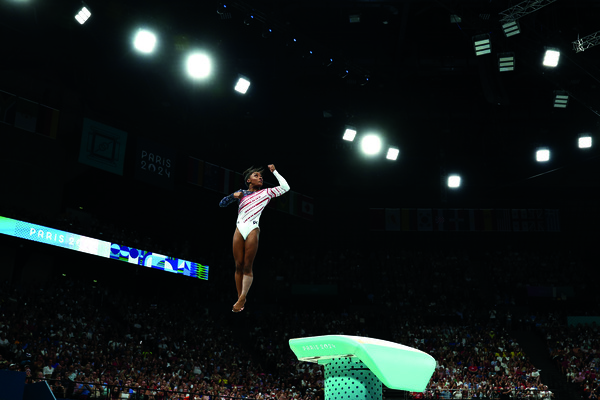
[239, 306]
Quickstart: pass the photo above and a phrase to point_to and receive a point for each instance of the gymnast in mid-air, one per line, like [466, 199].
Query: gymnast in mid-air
[245, 238]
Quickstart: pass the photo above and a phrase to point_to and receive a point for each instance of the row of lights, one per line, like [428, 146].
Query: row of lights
[370, 144]
[541, 155]
[483, 45]
[198, 64]
[506, 61]
[341, 68]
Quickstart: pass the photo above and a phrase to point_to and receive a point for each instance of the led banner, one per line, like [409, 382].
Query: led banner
[101, 248]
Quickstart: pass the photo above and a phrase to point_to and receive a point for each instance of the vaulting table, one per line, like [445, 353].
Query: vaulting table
[356, 367]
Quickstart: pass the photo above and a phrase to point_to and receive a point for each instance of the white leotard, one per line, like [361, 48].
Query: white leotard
[253, 203]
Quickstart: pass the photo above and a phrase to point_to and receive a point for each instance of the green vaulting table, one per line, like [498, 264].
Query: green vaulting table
[356, 367]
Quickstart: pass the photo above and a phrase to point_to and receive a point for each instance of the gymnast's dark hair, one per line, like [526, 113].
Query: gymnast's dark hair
[250, 171]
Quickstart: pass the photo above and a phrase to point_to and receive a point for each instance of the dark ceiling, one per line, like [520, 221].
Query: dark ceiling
[427, 92]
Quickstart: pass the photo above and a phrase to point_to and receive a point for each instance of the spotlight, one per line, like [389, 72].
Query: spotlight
[242, 85]
[392, 154]
[291, 43]
[221, 8]
[506, 62]
[551, 57]
[542, 155]
[511, 28]
[328, 62]
[585, 142]
[307, 54]
[371, 144]
[198, 65]
[561, 99]
[83, 15]
[144, 41]
[223, 11]
[453, 181]
[249, 19]
[364, 80]
[267, 31]
[345, 72]
[482, 44]
[349, 133]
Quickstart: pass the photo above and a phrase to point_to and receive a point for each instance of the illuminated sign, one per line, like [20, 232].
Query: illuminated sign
[101, 248]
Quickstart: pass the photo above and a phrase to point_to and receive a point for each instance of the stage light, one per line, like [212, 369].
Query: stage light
[506, 62]
[561, 99]
[249, 20]
[542, 155]
[198, 65]
[306, 54]
[453, 181]
[371, 144]
[482, 44]
[551, 57]
[349, 134]
[221, 8]
[392, 154]
[223, 11]
[267, 31]
[511, 28]
[585, 142]
[144, 41]
[242, 85]
[83, 15]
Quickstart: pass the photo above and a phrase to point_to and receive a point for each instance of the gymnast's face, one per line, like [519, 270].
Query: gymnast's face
[255, 180]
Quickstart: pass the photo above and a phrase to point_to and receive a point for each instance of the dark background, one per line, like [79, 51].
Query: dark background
[446, 109]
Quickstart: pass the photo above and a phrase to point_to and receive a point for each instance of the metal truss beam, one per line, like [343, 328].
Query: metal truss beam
[585, 43]
[522, 9]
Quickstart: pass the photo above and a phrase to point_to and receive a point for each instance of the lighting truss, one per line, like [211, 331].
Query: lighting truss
[585, 43]
[522, 9]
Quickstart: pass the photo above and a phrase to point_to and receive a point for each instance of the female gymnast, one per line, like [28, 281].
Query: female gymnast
[245, 238]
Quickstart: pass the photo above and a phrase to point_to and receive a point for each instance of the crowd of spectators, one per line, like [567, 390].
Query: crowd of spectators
[63, 333]
[576, 351]
[104, 339]
[67, 334]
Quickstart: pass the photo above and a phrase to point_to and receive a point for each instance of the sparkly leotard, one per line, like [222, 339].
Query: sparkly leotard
[253, 203]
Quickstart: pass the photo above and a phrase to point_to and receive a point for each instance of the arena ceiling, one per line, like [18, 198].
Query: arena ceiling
[427, 92]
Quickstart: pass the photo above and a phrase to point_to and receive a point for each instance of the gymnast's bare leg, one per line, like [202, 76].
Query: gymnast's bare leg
[244, 252]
